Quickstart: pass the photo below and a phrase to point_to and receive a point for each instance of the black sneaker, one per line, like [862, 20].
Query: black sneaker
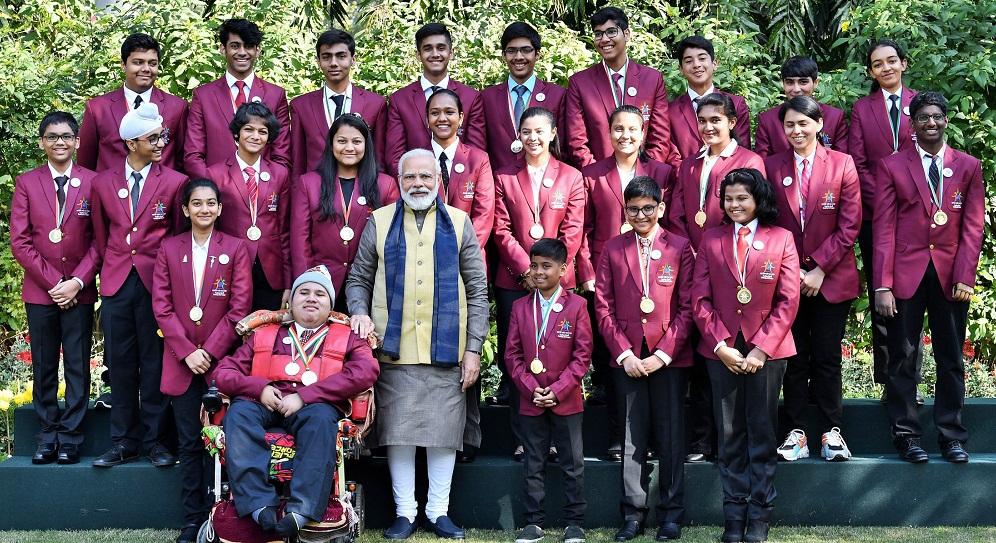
[530, 534]
[160, 456]
[574, 534]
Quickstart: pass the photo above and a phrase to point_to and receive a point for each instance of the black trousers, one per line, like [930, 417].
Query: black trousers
[504, 298]
[703, 432]
[653, 410]
[71, 330]
[602, 374]
[537, 432]
[947, 322]
[746, 408]
[263, 295]
[194, 459]
[818, 330]
[134, 349]
[314, 427]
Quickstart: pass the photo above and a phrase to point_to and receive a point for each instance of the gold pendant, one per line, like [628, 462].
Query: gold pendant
[743, 295]
[647, 305]
[940, 217]
[700, 218]
[536, 366]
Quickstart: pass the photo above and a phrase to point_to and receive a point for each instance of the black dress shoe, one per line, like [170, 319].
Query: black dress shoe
[955, 453]
[733, 532]
[402, 528]
[757, 531]
[669, 531]
[518, 454]
[919, 397]
[651, 455]
[46, 453]
[103, 402]
[69, 453]
[911, 452]
[188, 534]
[444, 528]
[630, 529]
[160, 456]
[116, 456]
[501, 396]
[467, 455]
[614, 453]
[695, 458]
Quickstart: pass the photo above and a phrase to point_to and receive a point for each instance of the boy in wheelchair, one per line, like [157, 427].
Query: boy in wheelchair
[300, 376]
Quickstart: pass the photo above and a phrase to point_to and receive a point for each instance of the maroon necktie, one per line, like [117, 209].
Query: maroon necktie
[240, 96]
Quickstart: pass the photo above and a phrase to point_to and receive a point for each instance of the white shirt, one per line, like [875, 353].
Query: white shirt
[625, 177]
[694, 95]
[68, 173]
[130, 96]
[131, 182]
[231, 79]
[347, 101]
[798, 175]
[450, 153]
[427, 85]
[622, 80]
[658, 353]
[243, 166]
[198, 258]
[926, 159]
[707, 164]
[752, 225]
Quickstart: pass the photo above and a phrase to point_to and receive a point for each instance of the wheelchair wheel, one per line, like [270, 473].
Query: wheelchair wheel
[202, 534]
[359, 503]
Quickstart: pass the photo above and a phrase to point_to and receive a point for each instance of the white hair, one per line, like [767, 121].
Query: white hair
[417, 153]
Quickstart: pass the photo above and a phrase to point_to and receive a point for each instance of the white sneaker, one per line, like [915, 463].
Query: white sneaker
[796, 446]
[834, 448]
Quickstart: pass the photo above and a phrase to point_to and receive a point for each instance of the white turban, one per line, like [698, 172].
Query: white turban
[140, 121]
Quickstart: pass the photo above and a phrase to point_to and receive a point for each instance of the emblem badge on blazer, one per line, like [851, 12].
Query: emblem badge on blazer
[558, 201]
[272, 202]
[829, 202]
[666, 275]
[956, 199]
[83, 208]
[768, 271]
[645, 111]
[468, 189]
[564, 329]
[158, 211]
[218, 289]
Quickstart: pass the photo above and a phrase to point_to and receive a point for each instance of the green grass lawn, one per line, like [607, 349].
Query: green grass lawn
[781, 534]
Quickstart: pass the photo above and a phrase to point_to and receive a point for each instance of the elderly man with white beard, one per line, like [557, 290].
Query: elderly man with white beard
[419, 281]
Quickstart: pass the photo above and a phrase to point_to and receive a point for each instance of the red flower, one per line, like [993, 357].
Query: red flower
[24, 356]
[968, 350]
[845, 351]
[94, 363]
[926, 339]
[27, 338]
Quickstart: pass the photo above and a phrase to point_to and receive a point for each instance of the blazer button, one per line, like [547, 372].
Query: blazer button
[644, 321]
[294, 385]
[542, 347]
[198, 323]
[134, 229]
[932, 225]
[418, 302]
[931, 246]
[63, 259]
[345, 264]
[809, 259]
[739, 312]
[133, 251]
[345, 243]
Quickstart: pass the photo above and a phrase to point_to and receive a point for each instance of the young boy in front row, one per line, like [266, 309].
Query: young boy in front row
[51, 236]
[644, 310]
[548, 351]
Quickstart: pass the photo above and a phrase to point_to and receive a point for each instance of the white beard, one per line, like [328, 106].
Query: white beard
[420, 202]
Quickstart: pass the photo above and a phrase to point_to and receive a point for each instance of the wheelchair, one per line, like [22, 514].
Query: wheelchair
[343, 520]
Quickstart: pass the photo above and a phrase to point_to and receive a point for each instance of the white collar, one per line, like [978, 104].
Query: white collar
[204, 247]
[693, 95]
[56, 173]
[886, 94]
[231, 79]
[752, 226]
[243, 165]
[130, 95]
[348, 94]
[622, 71]
[799, 158]
[924, 154]
[426, 84]
[725, 153]
[144, 171]
[450, 151]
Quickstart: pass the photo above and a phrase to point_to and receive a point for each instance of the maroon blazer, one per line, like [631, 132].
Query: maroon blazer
[315, 242]
[620, 288]
[685, 199]
[310, 129]
[833, 217]
[473, 190]
[407, 127]
[685, 136]
[590, 102]
[561, 215]
[773, 280]
[604, 213]
[273, 216]
[101, 146]
[771, 138]
[32, 217]
[209, 140]
[359, 372]
[122, 244]
[565, 352]
[501, 132]
[226, 296]
[905, 239]
[870, 140]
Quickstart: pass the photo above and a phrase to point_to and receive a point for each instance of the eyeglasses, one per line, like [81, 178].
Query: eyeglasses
[52, 138]
[648, 211]
[936, 117]
[610, 33]
[512, 51]
[154, 139]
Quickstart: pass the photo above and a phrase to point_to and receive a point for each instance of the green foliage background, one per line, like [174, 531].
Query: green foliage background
[57, 54]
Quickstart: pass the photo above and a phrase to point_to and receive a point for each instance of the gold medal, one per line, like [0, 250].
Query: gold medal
[346, 233]
[940, 217]
[55, 235]
[743, 295]
[647, 305]
[292, 368]
[196, 313]
[536, 366]
[536, 232]
[254, 233]
[700, 218]
[626, 227]
[309, 378]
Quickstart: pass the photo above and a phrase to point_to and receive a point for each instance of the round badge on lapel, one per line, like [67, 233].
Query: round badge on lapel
[631, 91]
[548, 182]
[906, 110]
[223, 259]
[948, 172]
[264, 176]
[362, 200]
[287, 340]
[123, 193]
[75, 181]
[256, 99]
[655, 254]
[787, 181]
[557, 307]
[540, 97]
[459, 168]
[758, 245]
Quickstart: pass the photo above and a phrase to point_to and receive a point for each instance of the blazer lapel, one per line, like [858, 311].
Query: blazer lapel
[688, 114]
[604, 90]
[632, 81]
[223, 97]
[187, 271]
[615, 183]
[552, 173]
[920, 180]
[881, 112]
[506, 120]
[793, 191]
[817, 192]
[121, 183]
[729, 246]
[526, 185]
[149, 188]
[633, 260]
[461, 157]
[235, 178]
[120, 107]
[258, 90]
[71, 193]
[904, 126]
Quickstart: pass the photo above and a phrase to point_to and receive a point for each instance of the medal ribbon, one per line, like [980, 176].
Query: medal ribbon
[199, 277]
[705, 179]
[252, 186]
[545, 313]
[60, 211]
[936, 186]
[306, 353]
[742, 266]
[511, 111]
[342, 200]
[644, 254]
[536, 181]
